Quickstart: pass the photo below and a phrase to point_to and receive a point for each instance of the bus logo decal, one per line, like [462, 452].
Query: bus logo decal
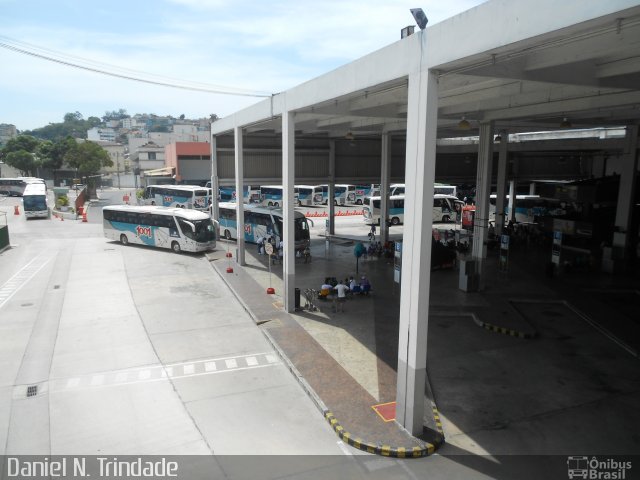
[167, 199]
[247, 228]
[143, 231]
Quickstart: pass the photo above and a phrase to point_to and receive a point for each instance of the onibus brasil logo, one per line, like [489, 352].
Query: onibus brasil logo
[594, 468]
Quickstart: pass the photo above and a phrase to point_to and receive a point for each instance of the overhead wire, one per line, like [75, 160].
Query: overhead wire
[126, 74]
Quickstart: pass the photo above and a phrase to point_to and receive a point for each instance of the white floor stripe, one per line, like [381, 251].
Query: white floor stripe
[231, 363]
[97, 380]
[251, 361]
[271, 358]
[144, 374]
[210, 366]
[73, 382]
[188, 369]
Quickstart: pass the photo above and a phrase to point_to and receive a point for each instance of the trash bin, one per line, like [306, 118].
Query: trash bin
[297, 298]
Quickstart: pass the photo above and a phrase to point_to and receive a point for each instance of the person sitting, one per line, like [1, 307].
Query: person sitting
[365, 286]
[325, 290]
[353, 286]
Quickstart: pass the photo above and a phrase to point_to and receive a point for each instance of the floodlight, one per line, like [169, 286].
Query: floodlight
[420, 17]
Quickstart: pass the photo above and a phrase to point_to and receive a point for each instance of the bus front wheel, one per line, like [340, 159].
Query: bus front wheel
[124, 240]
[445, 218]
[153, 203]
[227, 234]
[270, 204]
[175, 246]
[358, 202]
[395, 221]
[275, 204]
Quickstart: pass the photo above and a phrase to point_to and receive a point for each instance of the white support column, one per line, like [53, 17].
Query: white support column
[483, 190]
[532, 188]
[332, 187]
[626, 194]
[503, 158]
[422, 118]
[511, 217]
[215, 212]
[239, 164]
[288, 200]
[385, 170]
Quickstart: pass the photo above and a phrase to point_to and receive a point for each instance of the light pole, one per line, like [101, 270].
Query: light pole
[118, 168]
[1, 163]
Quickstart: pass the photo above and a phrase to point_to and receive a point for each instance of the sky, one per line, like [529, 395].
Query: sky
[251, 47]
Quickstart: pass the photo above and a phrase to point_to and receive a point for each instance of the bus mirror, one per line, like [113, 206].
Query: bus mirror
[310, 221]
[193, 227]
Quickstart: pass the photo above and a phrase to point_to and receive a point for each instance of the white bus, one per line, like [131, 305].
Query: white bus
[35, 201]
[364, 191]
[271, 195]
[528, 208]
[446, 208]
[442, 189]
[14, 187]
[305, 194]
[181, 196]
[371, 210]
[259, 222]
[396, 189]
[321, 197]
[175, 228]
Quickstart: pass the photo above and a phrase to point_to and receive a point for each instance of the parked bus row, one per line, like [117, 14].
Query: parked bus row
[191, 196]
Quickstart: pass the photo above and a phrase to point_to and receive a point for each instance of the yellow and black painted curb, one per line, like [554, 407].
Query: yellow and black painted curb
[384, 450]
[436, 417]
[507, 331]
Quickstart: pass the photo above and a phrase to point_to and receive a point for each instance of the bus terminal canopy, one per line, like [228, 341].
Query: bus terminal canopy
[515, 66]
[525, 66]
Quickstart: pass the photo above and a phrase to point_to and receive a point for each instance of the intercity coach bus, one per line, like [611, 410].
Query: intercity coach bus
[176, 228]
[262, 222]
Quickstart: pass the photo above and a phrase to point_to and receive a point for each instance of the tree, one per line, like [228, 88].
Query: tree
[72, 117]
[51, 154]
[88, 158]
[21, 142]
[115, 115]
[21, 160]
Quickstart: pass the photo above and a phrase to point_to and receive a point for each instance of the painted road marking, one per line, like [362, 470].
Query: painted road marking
[210, 366]
[153, 373]
[73, 382]
[21, 278]
[251, 361]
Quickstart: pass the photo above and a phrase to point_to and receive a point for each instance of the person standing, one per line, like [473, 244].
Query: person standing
[342, 290]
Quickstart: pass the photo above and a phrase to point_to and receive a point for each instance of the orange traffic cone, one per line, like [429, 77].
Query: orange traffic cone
[16, 210]
[84, 217]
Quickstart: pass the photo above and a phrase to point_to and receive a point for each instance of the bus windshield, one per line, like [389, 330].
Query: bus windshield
[204, 231]
[301, 229]
[35, 202]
